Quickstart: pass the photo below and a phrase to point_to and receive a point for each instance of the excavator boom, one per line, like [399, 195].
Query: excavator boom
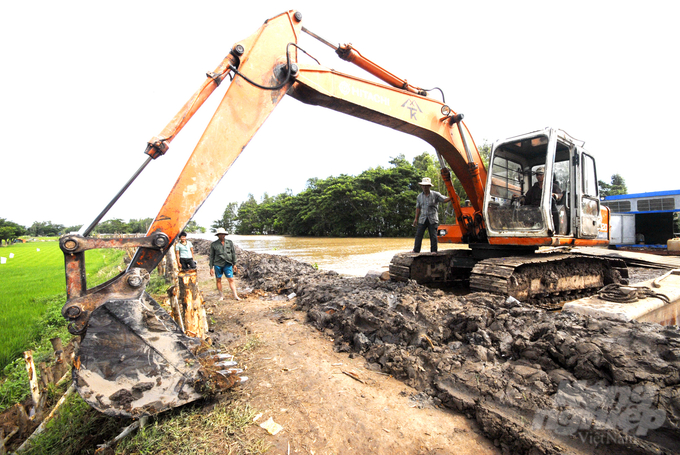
[133, 359]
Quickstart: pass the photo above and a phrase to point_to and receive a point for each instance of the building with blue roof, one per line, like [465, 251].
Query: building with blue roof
[649, 219]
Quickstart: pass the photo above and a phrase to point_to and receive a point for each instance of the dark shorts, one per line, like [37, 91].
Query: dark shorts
[226, 270]
[187, 263]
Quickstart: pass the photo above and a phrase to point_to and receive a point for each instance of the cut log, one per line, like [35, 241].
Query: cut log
[32, 378]
[192, 305]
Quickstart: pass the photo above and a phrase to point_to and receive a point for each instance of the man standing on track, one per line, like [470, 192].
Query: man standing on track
[427, 214]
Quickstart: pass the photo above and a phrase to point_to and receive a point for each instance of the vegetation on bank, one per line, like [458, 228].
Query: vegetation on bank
[39, 230]
[378, 202]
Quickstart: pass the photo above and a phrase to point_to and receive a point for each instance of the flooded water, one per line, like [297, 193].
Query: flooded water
[347, 256]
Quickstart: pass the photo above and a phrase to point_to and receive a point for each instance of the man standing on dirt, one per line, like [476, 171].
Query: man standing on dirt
[221, 261]
[427, 214]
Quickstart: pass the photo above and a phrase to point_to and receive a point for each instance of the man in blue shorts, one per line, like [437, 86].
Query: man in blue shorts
[221, 261]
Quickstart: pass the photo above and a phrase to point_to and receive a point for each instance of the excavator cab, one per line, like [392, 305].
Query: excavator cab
[542, 185]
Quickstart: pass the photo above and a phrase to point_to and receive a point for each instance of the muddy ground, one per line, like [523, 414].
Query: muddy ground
[357, 365]
[327, 401]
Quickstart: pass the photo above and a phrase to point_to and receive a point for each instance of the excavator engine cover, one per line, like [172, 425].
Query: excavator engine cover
[134, 360]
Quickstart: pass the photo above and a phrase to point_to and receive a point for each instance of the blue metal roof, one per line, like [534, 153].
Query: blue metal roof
[642, 195]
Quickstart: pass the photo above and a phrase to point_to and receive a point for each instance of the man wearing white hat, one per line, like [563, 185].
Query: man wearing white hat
[427, 214]
[221, 261]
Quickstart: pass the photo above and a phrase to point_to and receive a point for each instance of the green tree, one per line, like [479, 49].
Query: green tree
[192, 227]
[485, 153]
[616, 187]
[113, 226]
[137, 226]
[10, 231]
[247, 217]
[44, 229]
[5, 233]
[228, 221]
[74, 228]
[378, 202]
[399, 161]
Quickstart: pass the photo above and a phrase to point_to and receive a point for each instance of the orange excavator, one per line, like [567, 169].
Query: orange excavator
[133, 360]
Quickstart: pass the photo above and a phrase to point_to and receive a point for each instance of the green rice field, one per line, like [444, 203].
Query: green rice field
[30, 274]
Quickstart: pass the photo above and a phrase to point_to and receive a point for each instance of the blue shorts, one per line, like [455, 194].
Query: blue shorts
[226, 270]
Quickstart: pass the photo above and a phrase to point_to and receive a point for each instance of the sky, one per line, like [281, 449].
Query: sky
[86, 84]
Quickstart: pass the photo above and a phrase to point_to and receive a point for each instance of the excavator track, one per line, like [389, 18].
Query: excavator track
[547, 279]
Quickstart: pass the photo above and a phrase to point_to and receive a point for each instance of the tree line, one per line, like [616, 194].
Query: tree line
[10, 231]
[378, 202]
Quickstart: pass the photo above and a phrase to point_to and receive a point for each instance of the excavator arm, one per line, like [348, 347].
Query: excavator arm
[127, 339]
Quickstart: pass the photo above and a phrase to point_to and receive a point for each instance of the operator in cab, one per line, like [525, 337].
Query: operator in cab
[533, 196]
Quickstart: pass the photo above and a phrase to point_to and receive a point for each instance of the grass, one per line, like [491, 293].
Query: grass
[14, 384]
[77, 429]
[29, 281]
[196, 428]
[32, 296]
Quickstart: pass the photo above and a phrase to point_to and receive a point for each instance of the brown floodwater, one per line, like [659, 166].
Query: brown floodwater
[347, 256]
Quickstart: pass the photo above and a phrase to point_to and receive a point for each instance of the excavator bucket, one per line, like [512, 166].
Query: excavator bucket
[134, 360]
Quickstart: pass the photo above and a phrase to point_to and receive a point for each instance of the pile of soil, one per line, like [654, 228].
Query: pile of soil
[534, 381]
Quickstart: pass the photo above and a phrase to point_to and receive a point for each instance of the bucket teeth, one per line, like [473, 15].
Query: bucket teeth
[226, 364]
[207, 354]
[231, 371]
[234, 371]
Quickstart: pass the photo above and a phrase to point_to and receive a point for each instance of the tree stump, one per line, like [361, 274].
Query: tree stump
[192, 305]
[61, 363]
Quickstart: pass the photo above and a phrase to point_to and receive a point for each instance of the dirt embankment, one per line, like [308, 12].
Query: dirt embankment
[534, 381]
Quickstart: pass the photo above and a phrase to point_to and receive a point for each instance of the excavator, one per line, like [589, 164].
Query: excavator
[133, 360]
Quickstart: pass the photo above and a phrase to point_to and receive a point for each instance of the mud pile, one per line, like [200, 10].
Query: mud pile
[536, 381]
[533, 380]
[268, 272]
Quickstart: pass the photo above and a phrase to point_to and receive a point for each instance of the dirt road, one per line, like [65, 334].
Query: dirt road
[327, 402]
